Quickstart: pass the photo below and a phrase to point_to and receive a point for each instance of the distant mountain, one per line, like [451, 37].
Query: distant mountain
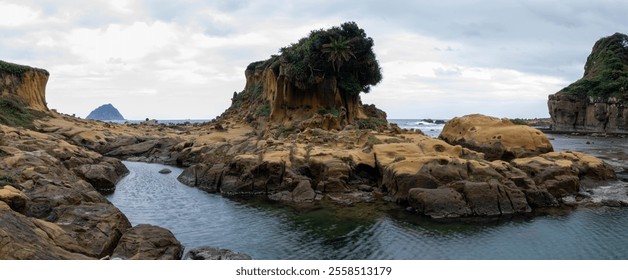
[105, 113]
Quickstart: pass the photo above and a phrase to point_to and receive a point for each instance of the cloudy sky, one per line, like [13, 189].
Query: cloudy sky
[184, 59]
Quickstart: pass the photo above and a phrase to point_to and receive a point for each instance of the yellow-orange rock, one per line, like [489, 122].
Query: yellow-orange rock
[496, 138]
[29, 85]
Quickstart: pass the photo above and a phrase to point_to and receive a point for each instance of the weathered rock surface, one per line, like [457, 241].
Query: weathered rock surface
[103, 176]
[596, 102]
[147, 242]
[96, 227]
[496, 138]
[587, 114]
[165, 171]
[210, 253]
[26, 82]
[49, 210]
[25, 238]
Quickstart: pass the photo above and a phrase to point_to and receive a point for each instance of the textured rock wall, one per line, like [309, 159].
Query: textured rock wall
[30, 86]
[588, 114]
[287, 102]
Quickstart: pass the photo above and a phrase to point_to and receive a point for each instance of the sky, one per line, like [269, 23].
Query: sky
[184, 59]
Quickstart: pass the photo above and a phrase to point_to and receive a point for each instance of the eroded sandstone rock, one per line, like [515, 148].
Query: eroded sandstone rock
[147, 242]
[496, 138]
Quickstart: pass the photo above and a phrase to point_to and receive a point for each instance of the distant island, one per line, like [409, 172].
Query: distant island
[105, 113]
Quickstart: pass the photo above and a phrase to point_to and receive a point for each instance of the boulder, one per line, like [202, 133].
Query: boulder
[560, 172]
[493, 198]
[165, 171]
[148, 242]
[103, 176]
[210, 253]
[96, 227]
[438, 203]
[13, 197]
[496, 138]
[303, 192]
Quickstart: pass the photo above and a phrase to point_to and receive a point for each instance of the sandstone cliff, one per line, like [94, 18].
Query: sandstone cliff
[25, 82]
[596, 102]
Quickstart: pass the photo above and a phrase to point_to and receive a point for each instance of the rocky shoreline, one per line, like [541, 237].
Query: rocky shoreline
[56, 179]
[285, 138]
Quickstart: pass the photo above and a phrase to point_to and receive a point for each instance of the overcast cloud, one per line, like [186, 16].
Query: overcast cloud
[184, 59]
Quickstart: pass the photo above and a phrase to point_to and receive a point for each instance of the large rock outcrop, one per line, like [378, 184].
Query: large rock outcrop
[496, 138]
[148, 242]
[25, 82]
[596, 102]
[315, 83]
[431, 176]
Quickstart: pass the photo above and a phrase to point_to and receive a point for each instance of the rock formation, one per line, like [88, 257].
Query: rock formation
[498, 139]
[147, 242]
[25, 82]
[596, 102]
[306, 87]
[105, 113]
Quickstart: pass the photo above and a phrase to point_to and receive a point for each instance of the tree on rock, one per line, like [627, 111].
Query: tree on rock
[321, 75]
[323, 53]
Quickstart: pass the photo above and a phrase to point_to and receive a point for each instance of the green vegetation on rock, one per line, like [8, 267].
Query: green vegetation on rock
[263, 110]
[7, 178]
[343, 52]
[371, 123]
[333, 111]
[606, 70]
[15, 112]
[13, 68]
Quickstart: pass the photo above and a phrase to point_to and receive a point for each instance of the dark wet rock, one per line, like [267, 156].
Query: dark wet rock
[210, 253]
[13, 197]
[303, 192]
[438, 203]
[148, 242]
[165, 171]
[493, 198]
